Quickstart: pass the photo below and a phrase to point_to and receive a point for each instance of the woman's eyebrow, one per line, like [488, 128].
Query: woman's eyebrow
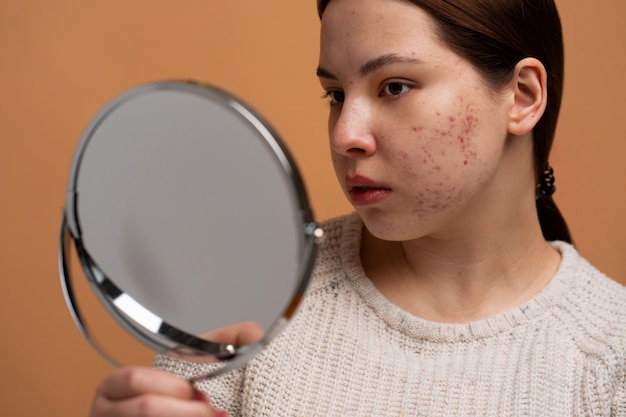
[373, 65]
[323, 73]
[386, 59]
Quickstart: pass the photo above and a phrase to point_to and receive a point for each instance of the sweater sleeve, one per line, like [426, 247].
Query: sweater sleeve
[225, 390]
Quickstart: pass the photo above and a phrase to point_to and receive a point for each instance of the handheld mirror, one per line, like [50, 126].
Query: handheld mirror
[187, 215]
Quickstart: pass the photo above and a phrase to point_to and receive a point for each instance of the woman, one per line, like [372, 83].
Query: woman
[453, 290]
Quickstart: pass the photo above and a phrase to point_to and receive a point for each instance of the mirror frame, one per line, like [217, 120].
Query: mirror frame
[141, 323]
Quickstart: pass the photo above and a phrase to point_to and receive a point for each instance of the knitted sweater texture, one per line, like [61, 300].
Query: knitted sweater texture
[350, 352]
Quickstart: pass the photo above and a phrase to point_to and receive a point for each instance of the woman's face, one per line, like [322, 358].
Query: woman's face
[416, 135]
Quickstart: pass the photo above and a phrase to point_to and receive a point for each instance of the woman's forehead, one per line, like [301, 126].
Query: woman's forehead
[361, 30]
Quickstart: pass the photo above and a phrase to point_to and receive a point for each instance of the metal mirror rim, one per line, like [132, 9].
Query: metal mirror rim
[177, 339]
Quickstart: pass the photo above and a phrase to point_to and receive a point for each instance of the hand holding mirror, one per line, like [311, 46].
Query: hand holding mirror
[188, 215]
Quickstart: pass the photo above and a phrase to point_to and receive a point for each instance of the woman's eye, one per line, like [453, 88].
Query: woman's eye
[395, 89]
[335, 96]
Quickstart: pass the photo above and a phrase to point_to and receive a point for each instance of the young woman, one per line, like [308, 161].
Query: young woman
[453, 289]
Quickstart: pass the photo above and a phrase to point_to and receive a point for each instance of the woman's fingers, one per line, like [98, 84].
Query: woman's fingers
[238, 334]
[131, 382]
[152, 405]
[148, 392]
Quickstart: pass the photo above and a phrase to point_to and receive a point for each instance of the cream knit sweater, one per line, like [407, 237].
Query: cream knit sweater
[350, 352]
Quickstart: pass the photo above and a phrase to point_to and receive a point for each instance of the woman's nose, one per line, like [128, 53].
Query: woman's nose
[351, 131]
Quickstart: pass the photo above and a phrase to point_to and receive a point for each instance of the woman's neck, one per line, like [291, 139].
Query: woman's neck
[460, 280]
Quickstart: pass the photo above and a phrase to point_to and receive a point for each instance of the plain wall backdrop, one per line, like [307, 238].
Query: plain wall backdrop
[61, 61]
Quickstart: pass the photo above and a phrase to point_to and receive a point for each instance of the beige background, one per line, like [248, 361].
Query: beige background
[60, 61]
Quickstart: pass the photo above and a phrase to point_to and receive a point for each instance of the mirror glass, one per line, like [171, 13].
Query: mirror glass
[187, 214]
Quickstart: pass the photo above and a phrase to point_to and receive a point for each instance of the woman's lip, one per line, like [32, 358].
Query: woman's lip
[358, 181]
[364, 191]
[367, 196]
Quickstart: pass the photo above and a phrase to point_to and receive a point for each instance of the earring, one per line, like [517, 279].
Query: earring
[546, 187]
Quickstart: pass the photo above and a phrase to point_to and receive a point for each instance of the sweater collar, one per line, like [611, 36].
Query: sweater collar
[416, 327]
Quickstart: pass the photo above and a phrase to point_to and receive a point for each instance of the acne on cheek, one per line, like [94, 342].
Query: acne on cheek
[459, 130]
[439, 196]
[436, 199]
[408, 164]
[428, 159]
[465, 131]
[457, 133]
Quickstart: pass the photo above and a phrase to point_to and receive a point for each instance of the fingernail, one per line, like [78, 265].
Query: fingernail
[220, 413]
[200, 396]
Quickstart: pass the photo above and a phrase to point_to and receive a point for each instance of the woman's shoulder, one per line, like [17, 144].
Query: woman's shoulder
[593, 304]
[588, 283]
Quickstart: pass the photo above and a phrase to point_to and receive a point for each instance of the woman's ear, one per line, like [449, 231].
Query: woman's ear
[529, 87]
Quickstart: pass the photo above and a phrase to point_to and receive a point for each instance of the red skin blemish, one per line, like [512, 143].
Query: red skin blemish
[469, 123]
[464, 138]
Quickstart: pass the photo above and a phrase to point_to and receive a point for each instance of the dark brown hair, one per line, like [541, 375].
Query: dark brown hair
[494, 35]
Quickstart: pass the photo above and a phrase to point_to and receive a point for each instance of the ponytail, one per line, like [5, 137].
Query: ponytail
[552, 223]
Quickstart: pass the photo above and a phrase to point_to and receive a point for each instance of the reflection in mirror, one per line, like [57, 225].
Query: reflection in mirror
[188, 217]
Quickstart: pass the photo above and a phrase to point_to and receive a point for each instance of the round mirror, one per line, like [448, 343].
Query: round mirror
[187, 215]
